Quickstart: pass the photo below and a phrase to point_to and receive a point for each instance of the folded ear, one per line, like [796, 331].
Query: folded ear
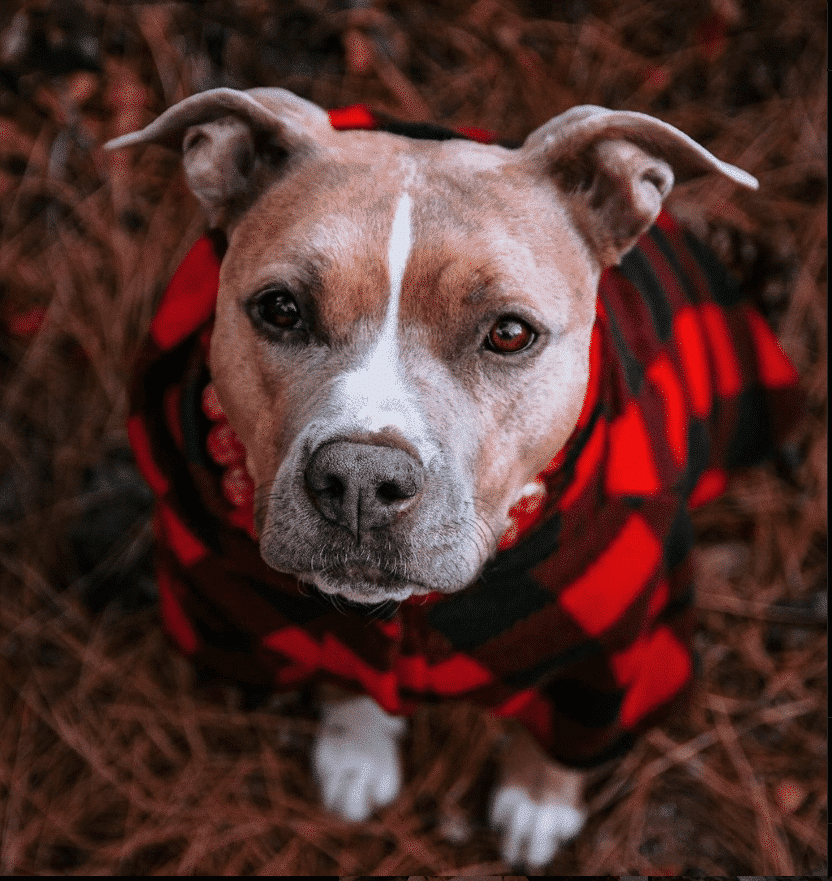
[615, 169]
[226, 138]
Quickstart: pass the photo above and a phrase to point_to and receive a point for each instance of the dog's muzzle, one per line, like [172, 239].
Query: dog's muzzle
[363, 486]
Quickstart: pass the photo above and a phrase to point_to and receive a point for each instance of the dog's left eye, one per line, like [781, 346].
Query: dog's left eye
[508, 335]
[275, 308]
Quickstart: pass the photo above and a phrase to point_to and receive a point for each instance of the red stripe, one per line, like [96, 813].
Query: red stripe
[776, 371]
[534, 712]
[666, 222]
[392, 629]
[515, 703]
[626, 663]
[667, 383]
[728, 373]
[693, 355]
[710, 485]
[454, 676]
[630, 466]
[379, 684]
[292, 674]
[457, 675]
[355, 116]
[524, 515]
[659, 600]
[602, 594]
[664, 669]
[296, 644]
[171, 406]
[140, 442]
[190, 298]
[413, 672]
[175, 620]
[180, 539]
[483, 136]
[333, 656]
[587, 464]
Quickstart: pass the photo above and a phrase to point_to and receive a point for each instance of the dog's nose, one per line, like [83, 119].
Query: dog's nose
[363, 486]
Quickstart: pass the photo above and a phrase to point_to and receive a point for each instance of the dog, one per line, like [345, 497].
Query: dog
[426, 417]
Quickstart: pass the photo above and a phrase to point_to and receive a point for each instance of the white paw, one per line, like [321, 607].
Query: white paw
[356, 757]
[532, 832]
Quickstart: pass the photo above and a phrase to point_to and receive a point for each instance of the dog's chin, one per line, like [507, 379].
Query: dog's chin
[366, 586]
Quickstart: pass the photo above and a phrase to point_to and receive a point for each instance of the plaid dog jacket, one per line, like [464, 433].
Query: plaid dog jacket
[580, 626]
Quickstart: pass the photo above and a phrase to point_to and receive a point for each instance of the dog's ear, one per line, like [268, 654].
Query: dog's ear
[614, 169]
[226, 136]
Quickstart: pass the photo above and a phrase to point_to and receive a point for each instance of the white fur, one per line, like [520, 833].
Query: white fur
[398, 253]
[532, 832]
[356, 757]
[356, 762]
[376, 394]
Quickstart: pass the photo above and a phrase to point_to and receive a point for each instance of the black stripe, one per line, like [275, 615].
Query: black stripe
[692, 293]
[296, 608]
[679, 605]
[538, 546]
[195, 424]
[210, 621]
[637, 270]
[633, 370]
[699, 454]
[753, 439]
[588, 706]
[423, 131]
[219, 242]
[487, 609]
[725, 289]
[616, 749]
[183, 495]
[546, 669]
[679, 540]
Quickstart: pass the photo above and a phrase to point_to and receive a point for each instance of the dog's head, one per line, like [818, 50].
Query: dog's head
[403, 326]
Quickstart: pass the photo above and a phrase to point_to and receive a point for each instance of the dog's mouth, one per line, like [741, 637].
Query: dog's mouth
[364, 584]
[368, 574]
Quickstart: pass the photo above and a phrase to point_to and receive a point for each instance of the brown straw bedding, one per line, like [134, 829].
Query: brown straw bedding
[114, 757]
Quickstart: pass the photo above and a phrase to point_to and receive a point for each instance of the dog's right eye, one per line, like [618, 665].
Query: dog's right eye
[275, 308]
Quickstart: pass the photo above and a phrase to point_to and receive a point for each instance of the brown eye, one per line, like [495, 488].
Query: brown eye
[275, 308]
[509, 335]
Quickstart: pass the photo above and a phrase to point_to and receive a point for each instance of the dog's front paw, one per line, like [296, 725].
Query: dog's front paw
[356, 757]
[531, 831]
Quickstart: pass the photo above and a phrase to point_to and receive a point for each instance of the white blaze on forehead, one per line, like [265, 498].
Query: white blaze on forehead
[398, 251]
[375, 395]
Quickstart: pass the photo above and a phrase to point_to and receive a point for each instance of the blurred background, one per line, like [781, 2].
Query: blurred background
[114, 758]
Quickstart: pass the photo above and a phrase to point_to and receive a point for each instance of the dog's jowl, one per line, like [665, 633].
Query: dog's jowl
[426, 418]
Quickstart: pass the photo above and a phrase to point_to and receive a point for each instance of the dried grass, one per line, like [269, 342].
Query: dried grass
[112, 758]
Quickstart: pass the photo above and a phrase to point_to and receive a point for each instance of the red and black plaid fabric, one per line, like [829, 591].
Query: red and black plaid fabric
[580, 627]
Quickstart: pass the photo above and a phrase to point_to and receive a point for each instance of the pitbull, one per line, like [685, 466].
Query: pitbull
[410, 377]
